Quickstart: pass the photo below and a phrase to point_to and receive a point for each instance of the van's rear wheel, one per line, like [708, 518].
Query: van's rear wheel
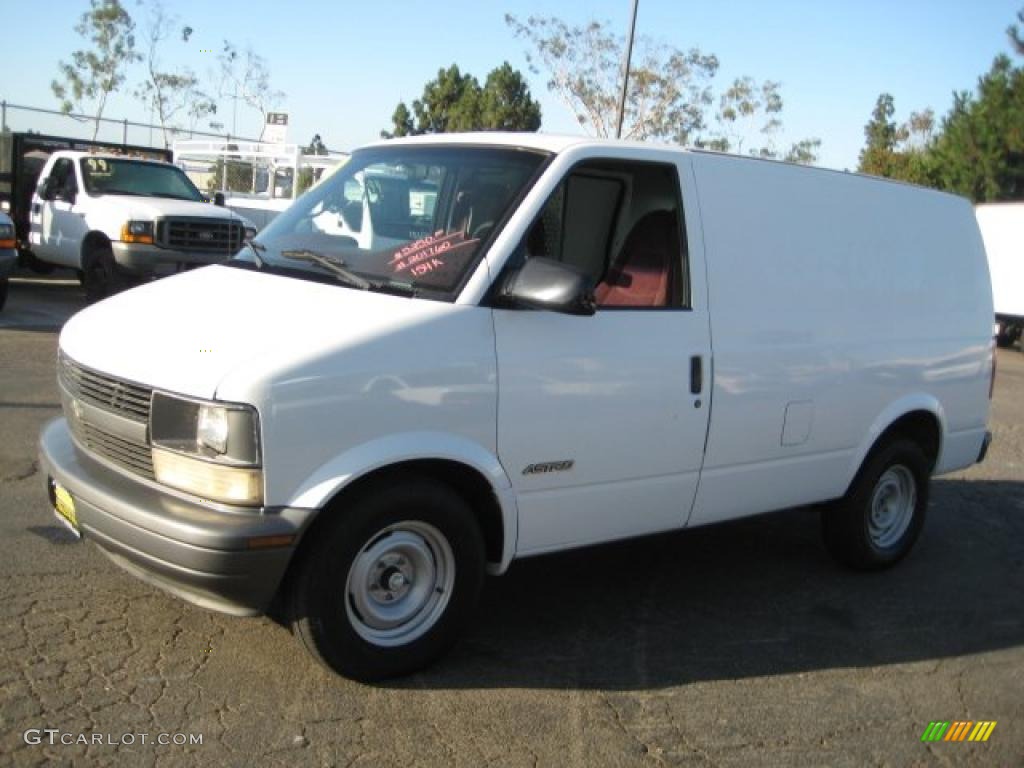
[880, 518]
[386, 586]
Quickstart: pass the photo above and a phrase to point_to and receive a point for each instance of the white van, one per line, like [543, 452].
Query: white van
[1002, 229]
[577, 341]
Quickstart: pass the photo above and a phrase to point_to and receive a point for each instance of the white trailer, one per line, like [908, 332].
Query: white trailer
[1002, 229]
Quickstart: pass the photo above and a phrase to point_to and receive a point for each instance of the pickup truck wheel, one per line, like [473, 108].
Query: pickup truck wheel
[100, 276]
[3, 291]
[385, 589]
[880, 518]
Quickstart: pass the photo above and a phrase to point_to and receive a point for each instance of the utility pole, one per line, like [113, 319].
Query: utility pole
[625, 71]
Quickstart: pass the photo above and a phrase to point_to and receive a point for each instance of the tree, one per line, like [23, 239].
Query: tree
[245, 76]
[402, 122]
[747, 110]
[881, 132]
[316, 146]
[95, 73]
[804, 152]
[669, 94]
[506, 103]
[308, 176]
[669, 89]
[1016, 37]
[170, 93]
[899, 150]
[455, 102]
[980, 150]
[450, 103]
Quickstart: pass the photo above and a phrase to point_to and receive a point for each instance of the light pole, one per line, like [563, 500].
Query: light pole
[625, 71]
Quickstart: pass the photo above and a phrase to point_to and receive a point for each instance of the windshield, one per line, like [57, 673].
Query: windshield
[116, 176]
[415, 217]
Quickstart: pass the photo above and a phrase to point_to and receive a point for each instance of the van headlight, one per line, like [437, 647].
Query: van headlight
[209, 449]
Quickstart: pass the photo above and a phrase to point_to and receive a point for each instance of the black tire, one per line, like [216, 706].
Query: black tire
[323, 604]
[3, 291]
[1004, 336]
[847, 527]
[101, 276]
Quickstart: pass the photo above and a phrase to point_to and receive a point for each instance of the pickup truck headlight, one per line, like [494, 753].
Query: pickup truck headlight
[137, 232]
[7, 236]
[209, 449]
[250, 233]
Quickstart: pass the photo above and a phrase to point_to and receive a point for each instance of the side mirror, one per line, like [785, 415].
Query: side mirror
[218, 199]
[548, 284]
[67, 195]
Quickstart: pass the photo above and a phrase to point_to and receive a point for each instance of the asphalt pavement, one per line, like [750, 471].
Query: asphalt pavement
[735, 645]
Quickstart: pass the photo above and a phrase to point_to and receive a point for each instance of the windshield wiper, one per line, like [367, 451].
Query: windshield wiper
[257, 249]
[334, 265]
[396, 287]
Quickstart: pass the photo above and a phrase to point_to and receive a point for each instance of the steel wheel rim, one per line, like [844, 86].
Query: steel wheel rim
[400, 583]
[892, 506]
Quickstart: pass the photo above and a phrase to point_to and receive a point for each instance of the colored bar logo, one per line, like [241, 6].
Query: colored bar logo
[958, 730]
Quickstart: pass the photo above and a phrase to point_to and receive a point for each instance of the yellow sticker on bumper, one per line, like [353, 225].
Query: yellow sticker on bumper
[65, 505]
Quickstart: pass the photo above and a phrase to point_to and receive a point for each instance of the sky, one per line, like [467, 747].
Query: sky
[343, 66]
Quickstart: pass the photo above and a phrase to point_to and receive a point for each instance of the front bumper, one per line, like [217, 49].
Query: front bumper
[205, 555]
[153, 260]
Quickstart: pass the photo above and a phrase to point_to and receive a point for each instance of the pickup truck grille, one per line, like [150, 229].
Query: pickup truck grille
[199, 234]
[126, 401]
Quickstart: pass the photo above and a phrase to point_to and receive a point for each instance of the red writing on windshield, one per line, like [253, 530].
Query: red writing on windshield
[422, 256]
[418, 270]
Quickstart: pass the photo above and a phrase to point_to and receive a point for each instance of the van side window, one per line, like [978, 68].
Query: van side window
[621, 222]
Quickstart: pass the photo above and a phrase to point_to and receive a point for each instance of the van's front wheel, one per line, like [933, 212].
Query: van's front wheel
[385, 588]
[880, 518]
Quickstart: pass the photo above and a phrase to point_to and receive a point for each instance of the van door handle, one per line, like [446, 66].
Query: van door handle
[696, 374]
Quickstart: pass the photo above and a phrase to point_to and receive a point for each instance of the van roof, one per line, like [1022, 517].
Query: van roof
[556, 143]
[547, 142]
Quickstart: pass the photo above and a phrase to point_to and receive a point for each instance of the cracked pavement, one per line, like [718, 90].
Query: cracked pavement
[722, 646]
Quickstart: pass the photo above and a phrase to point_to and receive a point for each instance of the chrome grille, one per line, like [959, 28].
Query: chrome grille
[125, 453]
[87, 396]
[200, 234]
[111, 394]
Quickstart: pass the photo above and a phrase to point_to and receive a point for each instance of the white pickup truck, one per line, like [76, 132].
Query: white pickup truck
[117, 219]
[567, 342]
